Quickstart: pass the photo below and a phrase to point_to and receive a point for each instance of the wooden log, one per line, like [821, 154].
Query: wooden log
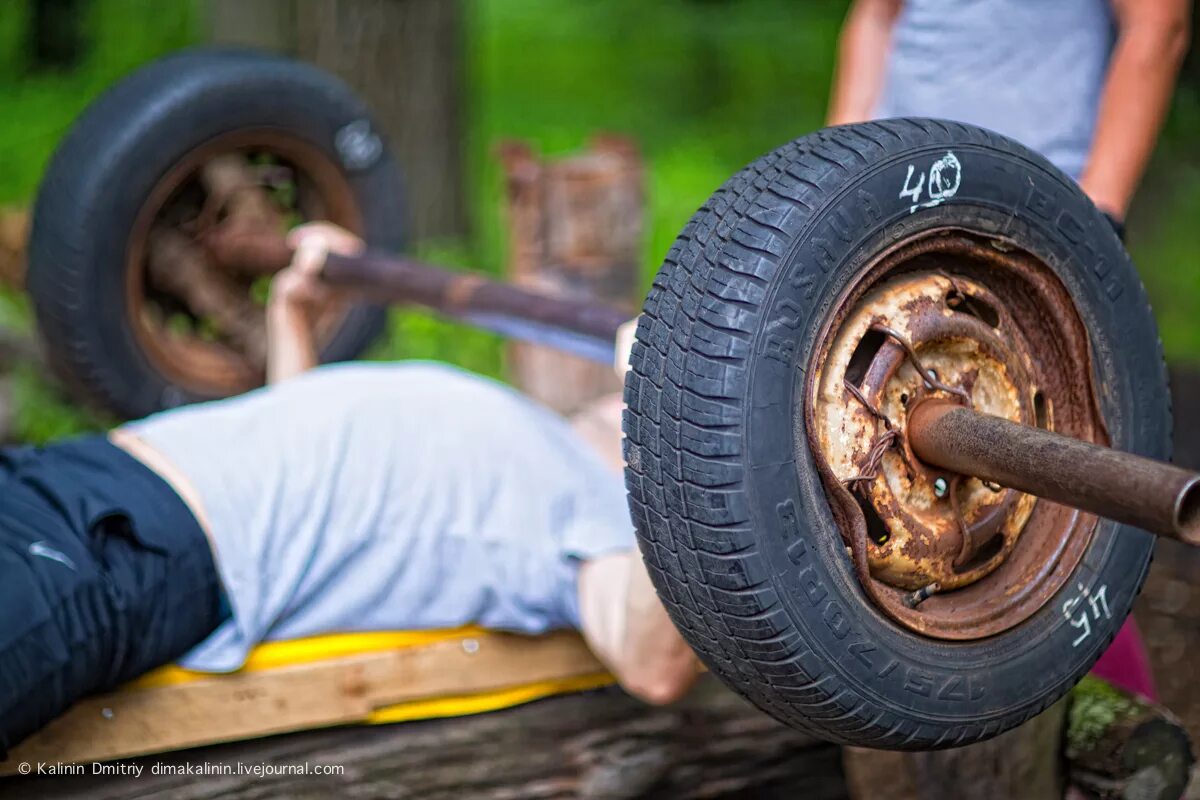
[1023, 762]
[575, 229]
[599, 744]
[1108, 744]
[1168, 609]
[1122, 747]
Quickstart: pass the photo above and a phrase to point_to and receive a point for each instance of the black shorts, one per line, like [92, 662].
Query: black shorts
[104, 574]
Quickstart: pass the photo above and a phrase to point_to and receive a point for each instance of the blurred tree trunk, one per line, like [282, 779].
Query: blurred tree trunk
[1168, 609]
[1191, 71]
[405, 58]
[55, 33]
[265, 24]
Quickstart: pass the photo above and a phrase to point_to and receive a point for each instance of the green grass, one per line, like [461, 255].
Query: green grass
[702, 86]
[1164, 237]
[38, 108]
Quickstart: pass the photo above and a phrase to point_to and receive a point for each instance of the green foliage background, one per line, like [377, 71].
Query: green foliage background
[703, 86]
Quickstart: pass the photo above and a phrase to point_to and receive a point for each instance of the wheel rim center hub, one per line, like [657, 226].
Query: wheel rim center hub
[929, 529]
[945, 315]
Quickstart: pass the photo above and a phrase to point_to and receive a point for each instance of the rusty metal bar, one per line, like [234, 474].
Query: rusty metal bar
[587, 329]
[247, 249]
[1149, 494]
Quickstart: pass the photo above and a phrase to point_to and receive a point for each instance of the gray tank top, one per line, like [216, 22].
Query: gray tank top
[1029, 69]
[370, 496]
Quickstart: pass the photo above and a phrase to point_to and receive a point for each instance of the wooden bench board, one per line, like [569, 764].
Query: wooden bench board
[466, 672]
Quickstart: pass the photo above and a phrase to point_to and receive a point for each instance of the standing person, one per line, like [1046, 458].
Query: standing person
[1086, 83]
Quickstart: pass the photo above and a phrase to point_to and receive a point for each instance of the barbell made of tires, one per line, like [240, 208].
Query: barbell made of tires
[829, 290]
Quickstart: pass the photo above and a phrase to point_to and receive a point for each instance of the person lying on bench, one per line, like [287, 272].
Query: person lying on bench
[350, 497]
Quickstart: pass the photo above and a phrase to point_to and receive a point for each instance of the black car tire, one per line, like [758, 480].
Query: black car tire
[119, 148]
[771, 604]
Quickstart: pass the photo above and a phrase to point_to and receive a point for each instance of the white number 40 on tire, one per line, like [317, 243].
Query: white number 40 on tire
[938, 184]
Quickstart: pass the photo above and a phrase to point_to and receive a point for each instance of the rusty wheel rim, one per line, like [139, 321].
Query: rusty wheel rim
[999, 330]
[206, 366]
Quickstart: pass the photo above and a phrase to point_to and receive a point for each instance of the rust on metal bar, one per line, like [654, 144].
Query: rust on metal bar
[1151, 495]
[247, 249]
[588, 329]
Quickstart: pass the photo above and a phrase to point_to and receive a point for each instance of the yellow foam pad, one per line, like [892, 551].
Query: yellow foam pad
[274, 655]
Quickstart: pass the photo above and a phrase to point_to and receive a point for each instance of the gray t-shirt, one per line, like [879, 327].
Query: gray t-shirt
[1029, 69]
[390, 497]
